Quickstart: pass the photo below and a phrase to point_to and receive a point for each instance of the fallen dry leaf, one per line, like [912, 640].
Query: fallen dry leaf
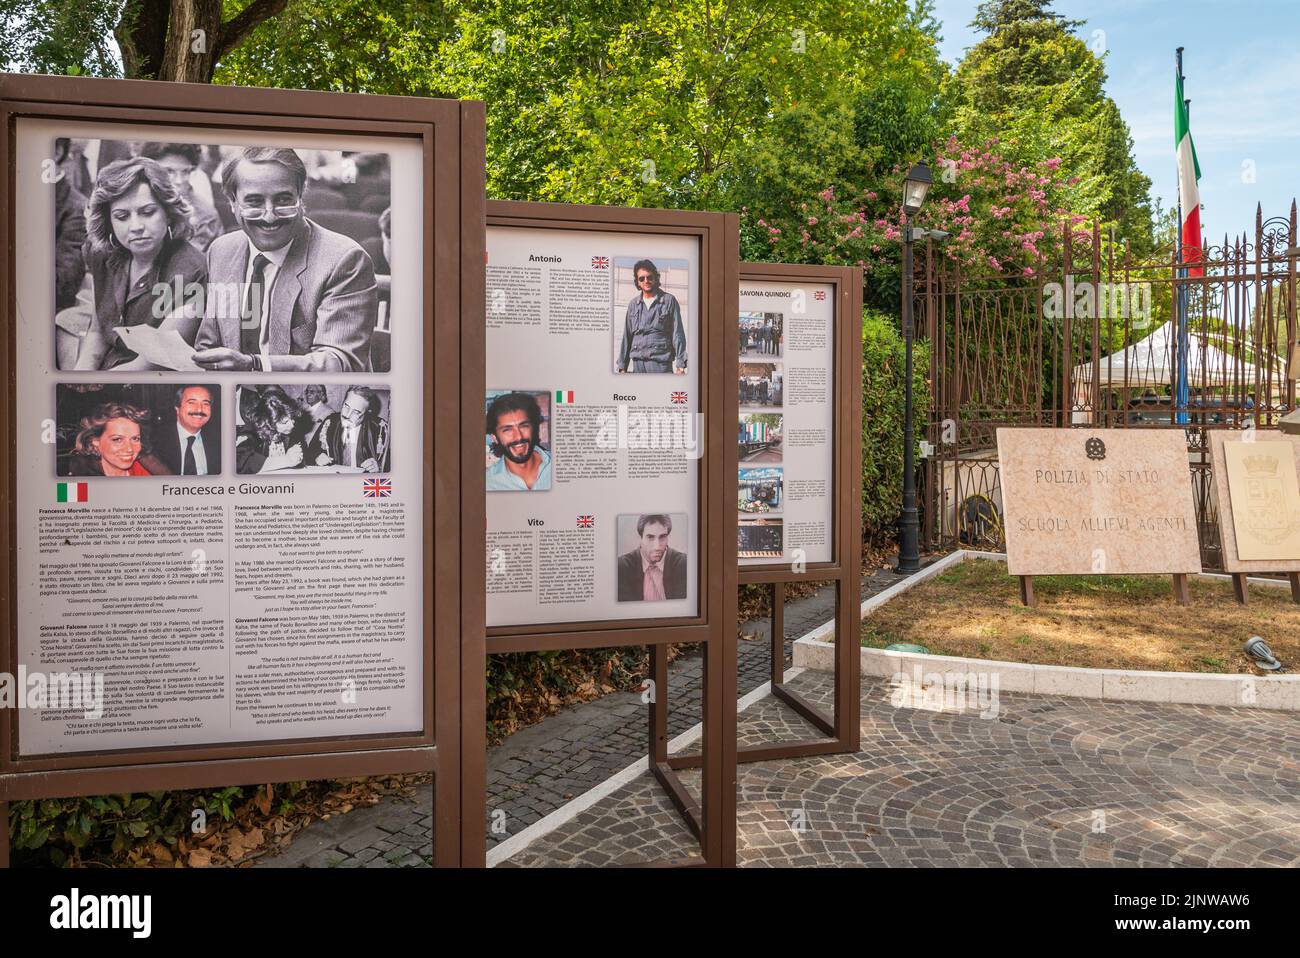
[200, 858]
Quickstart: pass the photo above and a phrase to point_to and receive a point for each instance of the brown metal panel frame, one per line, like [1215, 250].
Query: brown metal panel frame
[841, 732]
[453, 217]
[714, 820]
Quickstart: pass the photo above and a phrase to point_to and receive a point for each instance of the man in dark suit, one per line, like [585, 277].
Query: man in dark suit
[187, 447]
[356, 435]
[284, 293]
[654, 570]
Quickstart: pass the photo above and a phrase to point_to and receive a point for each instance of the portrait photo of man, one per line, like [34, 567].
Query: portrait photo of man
[653, 338]
[193, 446]
[285, 294]
[517, 438]
[653, 571]
[356, 436]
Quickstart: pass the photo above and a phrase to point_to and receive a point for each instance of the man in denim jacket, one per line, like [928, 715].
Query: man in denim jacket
[654, 340]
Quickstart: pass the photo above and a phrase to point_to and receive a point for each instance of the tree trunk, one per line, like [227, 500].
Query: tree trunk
[183, 40]
[193, 33]
[141, 33]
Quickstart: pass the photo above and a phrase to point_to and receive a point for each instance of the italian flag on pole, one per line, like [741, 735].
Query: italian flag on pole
[1189, 194]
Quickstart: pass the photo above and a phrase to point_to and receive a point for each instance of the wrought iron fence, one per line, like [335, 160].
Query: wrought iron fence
[1092, 339]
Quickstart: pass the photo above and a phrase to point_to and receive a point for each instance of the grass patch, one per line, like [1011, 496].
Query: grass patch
[1092, 621]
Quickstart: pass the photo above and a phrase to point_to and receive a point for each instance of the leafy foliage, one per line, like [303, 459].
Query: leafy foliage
[69, 830]
[883, 367]
[1038, 90]
[59, 36]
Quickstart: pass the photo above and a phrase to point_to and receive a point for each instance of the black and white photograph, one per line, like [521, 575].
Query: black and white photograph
[758, 438]
[188, 256]
[517, 432]
[760, 539]
[312, 428]
[760, 335]
[137, 429]
[760, 384]
[760, 491]
[650, 305]
[651, 556]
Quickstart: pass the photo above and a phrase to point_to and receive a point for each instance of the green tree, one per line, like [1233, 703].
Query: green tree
[354, 46]
[59, 36]
[1039, 90]
[652, 104]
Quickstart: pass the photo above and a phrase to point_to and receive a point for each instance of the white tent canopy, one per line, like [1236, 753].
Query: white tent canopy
[1149, 363]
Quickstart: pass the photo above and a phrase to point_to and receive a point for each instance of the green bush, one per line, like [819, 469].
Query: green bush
[61, 831]
[883, 365]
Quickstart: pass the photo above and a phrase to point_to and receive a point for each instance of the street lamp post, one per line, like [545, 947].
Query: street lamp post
[915, 188]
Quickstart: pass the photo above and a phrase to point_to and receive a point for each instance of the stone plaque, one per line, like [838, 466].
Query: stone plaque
[1110, 501]
[1258, 498]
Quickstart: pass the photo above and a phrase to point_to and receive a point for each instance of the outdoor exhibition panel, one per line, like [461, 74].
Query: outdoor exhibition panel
[232, 435]
[797, 406]
[610, 342]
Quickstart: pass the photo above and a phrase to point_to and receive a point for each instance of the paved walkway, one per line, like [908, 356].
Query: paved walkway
[1046, 782]
[542, 767]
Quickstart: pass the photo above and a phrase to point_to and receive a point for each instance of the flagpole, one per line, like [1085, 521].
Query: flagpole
[1181, 392]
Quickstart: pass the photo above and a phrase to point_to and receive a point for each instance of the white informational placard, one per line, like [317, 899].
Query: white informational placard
[233, 545]
[785, 485]
[592, 432]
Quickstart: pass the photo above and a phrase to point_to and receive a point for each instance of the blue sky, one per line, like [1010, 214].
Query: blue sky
[1243, 78]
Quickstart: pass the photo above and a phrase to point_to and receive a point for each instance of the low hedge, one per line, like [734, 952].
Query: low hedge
[883, 367]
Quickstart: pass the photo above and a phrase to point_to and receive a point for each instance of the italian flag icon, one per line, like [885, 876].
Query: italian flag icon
[564, 395]
[72, 492]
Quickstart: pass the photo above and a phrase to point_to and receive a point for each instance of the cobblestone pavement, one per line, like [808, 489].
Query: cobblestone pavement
[539, 768]
[1047, 782]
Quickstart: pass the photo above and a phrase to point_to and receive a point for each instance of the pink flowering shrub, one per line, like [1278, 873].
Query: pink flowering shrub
[1001, 218]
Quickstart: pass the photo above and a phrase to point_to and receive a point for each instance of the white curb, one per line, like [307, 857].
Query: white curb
[1281, 692]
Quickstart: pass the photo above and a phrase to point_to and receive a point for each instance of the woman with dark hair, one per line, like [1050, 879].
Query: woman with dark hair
[110, 443]
[137, 225]
[182, 161]
[275, 435]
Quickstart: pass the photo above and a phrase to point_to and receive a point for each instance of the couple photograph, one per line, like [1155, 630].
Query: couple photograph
[176, 255]
[137, 429]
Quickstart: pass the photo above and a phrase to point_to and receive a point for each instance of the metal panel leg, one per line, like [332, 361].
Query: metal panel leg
[778, 633]
[658, 714]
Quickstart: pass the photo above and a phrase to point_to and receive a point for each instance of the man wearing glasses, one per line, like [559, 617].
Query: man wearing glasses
[355, 436]
[284, 293]
[653, 338]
